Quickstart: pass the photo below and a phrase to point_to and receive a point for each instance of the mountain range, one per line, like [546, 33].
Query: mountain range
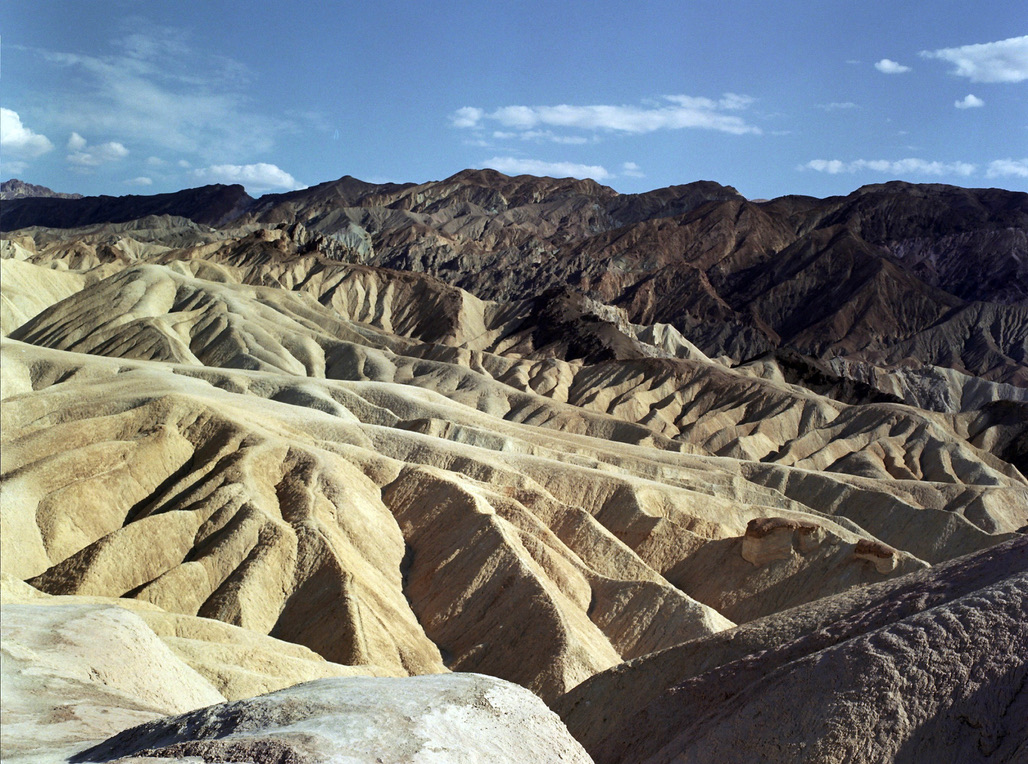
[708, 476]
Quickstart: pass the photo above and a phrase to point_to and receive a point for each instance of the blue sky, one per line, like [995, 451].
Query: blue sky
[773, 98]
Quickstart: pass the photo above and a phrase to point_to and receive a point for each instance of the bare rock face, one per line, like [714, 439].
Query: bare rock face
[238, 662]
[75, 673]
[366, 463]
[883, 557]
[208, 205]
[774, 538]
[889, 272]
[452, 718]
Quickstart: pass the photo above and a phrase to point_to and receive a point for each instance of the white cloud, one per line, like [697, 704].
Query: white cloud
[837, 106]
[632, 170]
[891, 167]
[1002, 61]
[516, 166]
[84, 155]
[541, 135]
[1017, 168]
[140, 181]
[886, 66]
[467, 116]
[156, 162]
[76, 142]
[969, 102]
[20, 142]
[735, 101]
[672, 113]
[255, 177]
[831, 166]
[155, 89]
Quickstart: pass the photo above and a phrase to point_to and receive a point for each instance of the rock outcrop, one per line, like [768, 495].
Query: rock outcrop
[89, 681]
[75, 674]
[930, 666]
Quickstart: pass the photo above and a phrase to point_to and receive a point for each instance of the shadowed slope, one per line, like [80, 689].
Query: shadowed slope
[887, 672]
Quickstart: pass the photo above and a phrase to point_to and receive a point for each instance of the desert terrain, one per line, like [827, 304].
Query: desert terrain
[515, 469]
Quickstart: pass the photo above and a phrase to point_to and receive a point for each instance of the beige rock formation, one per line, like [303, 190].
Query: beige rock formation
[77, 670]
[775, 538]
[284, 450]
[239, 663]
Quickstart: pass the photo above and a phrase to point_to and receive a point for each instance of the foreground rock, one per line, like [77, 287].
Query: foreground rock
[930, 667]
[74, 674]
[449, 718]
[240, 663]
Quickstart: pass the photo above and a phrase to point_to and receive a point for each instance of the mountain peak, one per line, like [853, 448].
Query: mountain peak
[19, 189]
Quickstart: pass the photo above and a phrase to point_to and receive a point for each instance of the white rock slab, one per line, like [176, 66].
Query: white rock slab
[451, 718]
[72, 675]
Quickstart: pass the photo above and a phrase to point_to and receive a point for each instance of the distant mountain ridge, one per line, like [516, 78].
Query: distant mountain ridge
[889, 272]
[209, 205]
[19, 189]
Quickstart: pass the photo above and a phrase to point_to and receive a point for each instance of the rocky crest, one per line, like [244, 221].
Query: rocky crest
[18, 189]
[210, 205]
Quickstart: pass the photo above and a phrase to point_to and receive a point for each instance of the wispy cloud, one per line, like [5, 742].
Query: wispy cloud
[467, 116]
[540, 135]
[1015, 168]
[140, 181]
[1001, 61]
[887, 66]
[672, 112]
[83, 155]
[892, 167]
[632, 170]
[257, 178]
[518, 166]
[19, 143]
[969, 101]
[837, 106]
[155, 88]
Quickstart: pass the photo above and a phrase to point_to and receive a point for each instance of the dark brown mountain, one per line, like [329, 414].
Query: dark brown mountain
[935, 230]
[890, 273]
[209, 205]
